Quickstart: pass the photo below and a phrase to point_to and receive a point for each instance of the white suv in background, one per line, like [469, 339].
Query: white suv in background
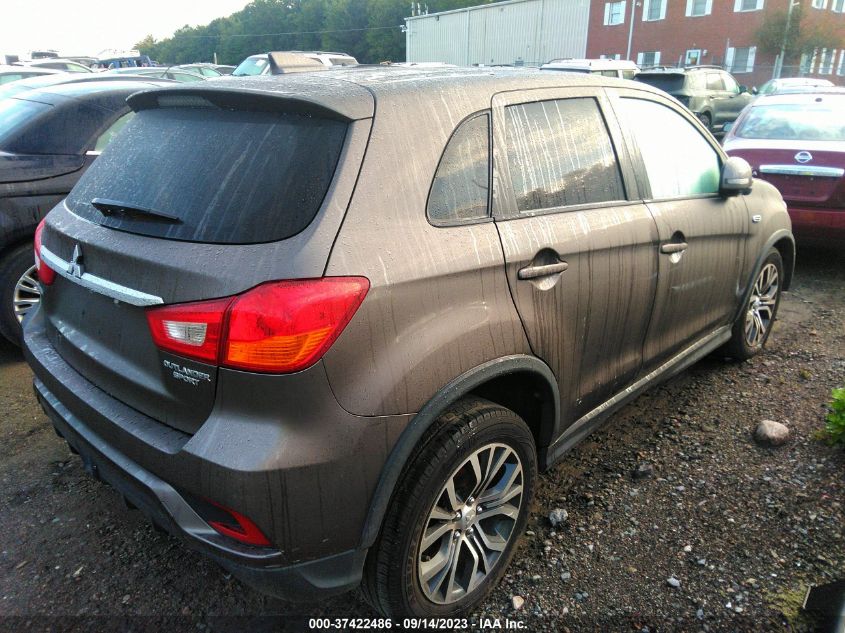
[260, 64]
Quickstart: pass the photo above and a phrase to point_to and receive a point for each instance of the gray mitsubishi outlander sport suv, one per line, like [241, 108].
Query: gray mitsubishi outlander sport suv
[327, 328]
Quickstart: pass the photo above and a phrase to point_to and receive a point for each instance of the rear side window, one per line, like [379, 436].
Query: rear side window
[560, 154]
[678, 160]
[225, 176]
[460, 187]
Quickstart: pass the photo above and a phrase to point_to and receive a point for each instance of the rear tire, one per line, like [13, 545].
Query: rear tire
[752, 328]
[449, 534]
[706, 120]
[19, 290]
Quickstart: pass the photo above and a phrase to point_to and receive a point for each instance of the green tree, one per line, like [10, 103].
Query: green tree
[802, 38]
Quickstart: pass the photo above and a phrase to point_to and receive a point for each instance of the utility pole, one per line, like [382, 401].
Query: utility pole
[779, 70]
[631, 28]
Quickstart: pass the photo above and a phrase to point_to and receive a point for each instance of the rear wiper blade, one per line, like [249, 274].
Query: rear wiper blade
[115, 207]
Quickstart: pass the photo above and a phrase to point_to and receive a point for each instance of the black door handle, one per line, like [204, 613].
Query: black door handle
[532, 272]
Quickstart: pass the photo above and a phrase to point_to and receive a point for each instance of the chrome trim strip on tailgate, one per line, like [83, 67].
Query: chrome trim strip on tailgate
[803, 170]
[98, 284]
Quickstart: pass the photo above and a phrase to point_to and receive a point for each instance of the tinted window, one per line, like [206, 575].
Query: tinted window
[460, 187]
[678, 160]
[559, 154]
[228, 176]
[106, 137]
[664, 81]
[730, 84]
[252, 66]
[16, 115]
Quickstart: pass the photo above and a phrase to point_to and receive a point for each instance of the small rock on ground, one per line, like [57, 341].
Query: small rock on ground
[771, 433]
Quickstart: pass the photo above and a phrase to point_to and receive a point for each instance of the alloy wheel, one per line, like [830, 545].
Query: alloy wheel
[27, 293]
[471, 523]
[761, 305]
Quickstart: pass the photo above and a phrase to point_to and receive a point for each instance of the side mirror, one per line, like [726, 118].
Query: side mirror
[743, 89]
[754, 90]
[736, 177]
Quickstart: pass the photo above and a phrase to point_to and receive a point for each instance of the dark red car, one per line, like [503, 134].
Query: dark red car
[797, 143]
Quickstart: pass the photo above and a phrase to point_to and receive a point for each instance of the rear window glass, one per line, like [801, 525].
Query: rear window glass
[667, 83]
[559, 154]
[805, 122]
[251, 66]
[460, 187]
[15, 116]
[228, 177]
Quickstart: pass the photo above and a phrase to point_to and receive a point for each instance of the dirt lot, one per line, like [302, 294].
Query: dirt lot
[744, 530]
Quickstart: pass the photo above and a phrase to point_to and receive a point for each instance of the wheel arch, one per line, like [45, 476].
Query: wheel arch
[522, 383]
[784, 242]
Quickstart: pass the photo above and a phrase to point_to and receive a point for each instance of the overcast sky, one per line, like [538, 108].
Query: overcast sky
[86, 27]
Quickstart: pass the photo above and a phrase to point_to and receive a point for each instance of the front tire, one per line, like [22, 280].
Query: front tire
[754, 325]
[706, 120]
[19, 291]
[456, 515]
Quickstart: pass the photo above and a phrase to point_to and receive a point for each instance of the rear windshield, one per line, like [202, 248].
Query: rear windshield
[667, 83]
[227, 177]
[15, 116]
[805, 122]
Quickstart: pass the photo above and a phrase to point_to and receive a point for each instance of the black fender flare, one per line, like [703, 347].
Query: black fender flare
[774, 238]
[447, 395]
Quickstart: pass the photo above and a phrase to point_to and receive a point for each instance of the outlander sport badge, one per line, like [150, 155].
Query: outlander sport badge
[74, 266]
[803, 157]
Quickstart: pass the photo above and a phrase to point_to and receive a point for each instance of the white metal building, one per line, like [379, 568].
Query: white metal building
[529, 32]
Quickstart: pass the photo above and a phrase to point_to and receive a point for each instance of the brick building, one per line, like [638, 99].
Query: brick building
[686, 32]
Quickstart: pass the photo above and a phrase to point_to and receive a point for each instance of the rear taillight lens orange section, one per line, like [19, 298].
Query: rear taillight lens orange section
[46, 275]
[277, 327]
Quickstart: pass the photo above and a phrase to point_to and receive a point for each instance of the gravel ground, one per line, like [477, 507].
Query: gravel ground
[677, 520]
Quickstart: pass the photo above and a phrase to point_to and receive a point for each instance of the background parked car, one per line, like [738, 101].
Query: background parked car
[623, 69]
[65, 65]
[48, 138]
[793, 84]
[9, 74]
[45, 81]
[262, 318]
[712, 94]
[260, 64]
[797, 142]
[172, 73]
[208, 71]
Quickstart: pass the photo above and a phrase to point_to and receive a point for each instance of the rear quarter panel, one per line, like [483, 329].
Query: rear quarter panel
[439, 302]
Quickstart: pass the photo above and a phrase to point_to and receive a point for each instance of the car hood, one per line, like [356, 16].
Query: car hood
[26, 167]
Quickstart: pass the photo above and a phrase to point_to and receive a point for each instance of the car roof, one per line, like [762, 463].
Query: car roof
[802, 98]
[352, 91]
[22, 68]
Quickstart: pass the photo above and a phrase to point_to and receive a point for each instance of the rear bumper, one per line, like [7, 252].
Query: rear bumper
[817, 224]
[292, 460]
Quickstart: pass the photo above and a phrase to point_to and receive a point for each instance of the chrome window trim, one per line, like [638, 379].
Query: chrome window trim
[98, 284]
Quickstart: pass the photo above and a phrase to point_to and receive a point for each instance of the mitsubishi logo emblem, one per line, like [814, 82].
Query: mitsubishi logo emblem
[75, 267]
[803, 157]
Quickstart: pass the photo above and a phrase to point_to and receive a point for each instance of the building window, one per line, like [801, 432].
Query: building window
[693, 57]
[649, 58]
[751, 5]
[654, 10]
[826, 61]
[840, 69]
[614, 13]
[838, 6]
[611, 56]
[819, 4]
[696, 8]
[741, 60]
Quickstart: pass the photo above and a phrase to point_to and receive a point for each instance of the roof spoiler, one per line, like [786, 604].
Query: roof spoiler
[283, 62]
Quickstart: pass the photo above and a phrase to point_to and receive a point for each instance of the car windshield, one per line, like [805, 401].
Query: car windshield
[666, 82]
[15, 114]
[800, 122]
[251, 66]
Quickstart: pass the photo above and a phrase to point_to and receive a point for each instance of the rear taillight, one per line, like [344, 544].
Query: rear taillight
[278, 327]
[46, 275]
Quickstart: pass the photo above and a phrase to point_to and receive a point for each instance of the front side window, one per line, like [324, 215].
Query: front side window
[559, 153]
[461, 184]
[614, 13]
[678, 160]
[714, 82]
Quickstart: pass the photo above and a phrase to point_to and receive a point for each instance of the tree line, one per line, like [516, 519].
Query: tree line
[369, 30]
